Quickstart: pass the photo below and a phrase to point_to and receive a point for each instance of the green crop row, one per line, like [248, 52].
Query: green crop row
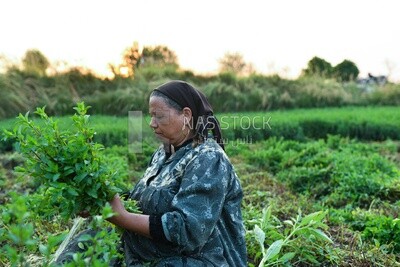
[363, 123]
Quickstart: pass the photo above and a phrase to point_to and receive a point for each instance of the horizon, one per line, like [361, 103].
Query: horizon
[277, 38]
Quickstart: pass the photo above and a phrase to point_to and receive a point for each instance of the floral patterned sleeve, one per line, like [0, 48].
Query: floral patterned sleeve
[197, 206]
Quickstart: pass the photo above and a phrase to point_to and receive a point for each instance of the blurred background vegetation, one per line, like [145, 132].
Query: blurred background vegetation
[34, 82]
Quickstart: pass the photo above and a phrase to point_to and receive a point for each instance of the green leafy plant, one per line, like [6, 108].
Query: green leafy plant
[68, 165]
[379, 229]
[300, 238]
[16, 231]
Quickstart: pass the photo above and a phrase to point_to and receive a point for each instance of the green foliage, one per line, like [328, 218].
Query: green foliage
[375, 227]
[265, 168]
[158, 56]
[16, 232]
[228, 78]
[357, 182]
[384, 230]
[232, 63]
[35, 62]
[21, 91]
[300, 124]
[343, 72]
[301, 239]
[81, 82]
[362, 123]
[364, 232]
[68, 165]
[316, 92]
[118, 102]
[318, 67]
[388, 94]
[338, 172]
[346, 71]
[14, 94]
[158, 73]
[57, 161]
[21, 243]
[258, 92]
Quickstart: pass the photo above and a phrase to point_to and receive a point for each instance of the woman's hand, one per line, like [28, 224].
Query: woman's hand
[117, 205]
[118, 208]
[138, 223]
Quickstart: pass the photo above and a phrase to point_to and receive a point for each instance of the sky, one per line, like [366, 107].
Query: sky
[277, 37]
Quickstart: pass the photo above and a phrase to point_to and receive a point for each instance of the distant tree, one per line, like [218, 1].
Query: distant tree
[346, 71]
[233, 63]
[318, 67]
[130, 61]
[34, 62]
[131, 56]
[133, 59]
[158, 56]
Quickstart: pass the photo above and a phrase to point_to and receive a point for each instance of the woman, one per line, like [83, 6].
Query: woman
[190, 195]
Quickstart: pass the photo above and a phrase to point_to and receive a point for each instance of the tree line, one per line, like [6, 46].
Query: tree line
[236, 87]
[36, 63]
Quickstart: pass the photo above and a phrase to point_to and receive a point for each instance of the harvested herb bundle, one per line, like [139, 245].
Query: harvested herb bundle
[67, 164]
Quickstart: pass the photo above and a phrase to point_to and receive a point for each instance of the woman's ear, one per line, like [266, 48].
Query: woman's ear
[187, 113]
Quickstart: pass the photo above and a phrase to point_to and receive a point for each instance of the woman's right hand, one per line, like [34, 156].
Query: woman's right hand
[118, 208]
[138, 223]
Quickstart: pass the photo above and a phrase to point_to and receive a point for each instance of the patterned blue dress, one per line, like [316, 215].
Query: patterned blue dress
[197, 195]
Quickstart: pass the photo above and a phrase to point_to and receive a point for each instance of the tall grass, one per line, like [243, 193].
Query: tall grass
[21, 92]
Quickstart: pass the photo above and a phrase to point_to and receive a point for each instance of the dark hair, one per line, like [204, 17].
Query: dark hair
[171, 103]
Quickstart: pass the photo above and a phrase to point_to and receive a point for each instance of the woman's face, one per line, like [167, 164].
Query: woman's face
[167, 123]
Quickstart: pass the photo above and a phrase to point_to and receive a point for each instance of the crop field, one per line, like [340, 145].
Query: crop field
[321, 186]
